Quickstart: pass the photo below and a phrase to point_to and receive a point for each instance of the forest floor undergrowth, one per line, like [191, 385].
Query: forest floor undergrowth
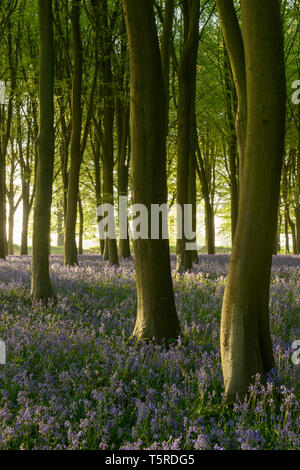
[74, 380]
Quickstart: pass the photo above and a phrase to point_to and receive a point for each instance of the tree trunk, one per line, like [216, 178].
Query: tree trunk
[209, 212]
[6, 131]
[235, 48]
[286, 232]
[156, 311]
[11, 219]
[293, 231]
[297, 208]
[25, 221]
[75, 154]
[108, 121]
[40, 282]
[246, 347]
[2, 197]
[96, 156]
[209, 228]
[123, 169]
[60, 228]
[80, 245]
[186, 143]
[232, 143]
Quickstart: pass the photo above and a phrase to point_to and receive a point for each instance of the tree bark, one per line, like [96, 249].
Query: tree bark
[60, 228]
[231, 109]
[96, 146]
[187, 136]
[246, 347]
[297, 208]
[209, 212]
[80, 244]
[108, 121]
[41, 287]
[235, 47]
[6, 130]
[70, 247]
[123, 170]
[156, 311]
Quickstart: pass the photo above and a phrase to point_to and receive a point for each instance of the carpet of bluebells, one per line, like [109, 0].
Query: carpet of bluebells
[75, 380]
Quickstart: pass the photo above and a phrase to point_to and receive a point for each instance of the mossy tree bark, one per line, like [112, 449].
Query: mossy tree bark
[246, 347]
[41, 287]
[156, 311]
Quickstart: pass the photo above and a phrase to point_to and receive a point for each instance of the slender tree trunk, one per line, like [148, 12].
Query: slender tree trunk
[246, 347]
[123, 169]
[297, 209]
[60, 228]
[209, 212]
[27, 162]
[2, 196]
[122, 121]
[96, 155]
[6, 130]
[209, 228]
[108, 121]
[25, 221]
[156, 311]
[75, 156]
[11, 219]
[276, 248]
[293, 231]
[279, 230]
[80, 245]
[165, 52]
[40, 282]
[186, 143]
[286, 232]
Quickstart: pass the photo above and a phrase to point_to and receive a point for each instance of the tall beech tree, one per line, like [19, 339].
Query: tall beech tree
[156, 311]
[40, 281]
[246, 347]
[106, 47]
[70, 247]
[187, 135]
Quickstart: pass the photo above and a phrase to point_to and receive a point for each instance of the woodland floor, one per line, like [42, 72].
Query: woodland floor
[74, 380]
